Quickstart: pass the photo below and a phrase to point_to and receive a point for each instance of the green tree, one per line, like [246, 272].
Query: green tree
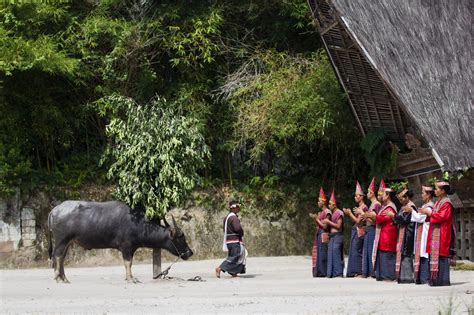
[156, 153]
[58, 58]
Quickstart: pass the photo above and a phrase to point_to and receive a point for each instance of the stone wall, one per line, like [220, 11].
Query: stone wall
[10, 229]
[17, 225]
[287, 236]
[28, 227]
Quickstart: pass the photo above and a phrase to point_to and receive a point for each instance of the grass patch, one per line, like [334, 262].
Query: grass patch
[469, 266]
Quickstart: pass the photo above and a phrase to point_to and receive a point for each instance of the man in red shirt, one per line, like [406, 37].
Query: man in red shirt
[440, 234]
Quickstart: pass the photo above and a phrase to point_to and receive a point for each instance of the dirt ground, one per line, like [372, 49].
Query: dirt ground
[271, 285]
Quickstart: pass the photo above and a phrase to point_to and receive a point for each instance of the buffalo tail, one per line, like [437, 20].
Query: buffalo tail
[50, 239]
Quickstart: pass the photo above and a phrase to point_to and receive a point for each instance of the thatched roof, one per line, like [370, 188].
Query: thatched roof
[404, 65]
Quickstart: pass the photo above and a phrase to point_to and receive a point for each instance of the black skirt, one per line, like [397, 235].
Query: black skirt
[233, 263]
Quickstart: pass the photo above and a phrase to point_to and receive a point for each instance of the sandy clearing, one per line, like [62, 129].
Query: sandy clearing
[272, 285]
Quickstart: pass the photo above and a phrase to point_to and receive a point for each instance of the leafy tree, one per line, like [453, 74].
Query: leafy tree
[58, 58]
[283, 101]
[14, 169]
[38, 121]
[156, 153]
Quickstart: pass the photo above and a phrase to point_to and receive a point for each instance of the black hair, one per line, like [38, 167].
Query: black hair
[431, 193]
[392, 195]
[447, 189]
[408, 194]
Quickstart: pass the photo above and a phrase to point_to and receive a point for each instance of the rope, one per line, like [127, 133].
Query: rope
[164, 274]
[196, 278]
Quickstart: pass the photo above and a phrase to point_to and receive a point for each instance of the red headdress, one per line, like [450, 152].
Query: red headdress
[359, 190]
[382, 187]
[372, 185]
[322, 195]
[333, 197]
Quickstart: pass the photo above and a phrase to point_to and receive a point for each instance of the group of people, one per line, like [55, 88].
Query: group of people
[408, 245]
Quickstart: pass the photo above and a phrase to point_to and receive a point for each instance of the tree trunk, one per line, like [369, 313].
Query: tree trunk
[229, 166]
[156, 262]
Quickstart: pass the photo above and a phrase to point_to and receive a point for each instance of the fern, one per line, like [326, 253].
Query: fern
[373, 141]
[381, 160]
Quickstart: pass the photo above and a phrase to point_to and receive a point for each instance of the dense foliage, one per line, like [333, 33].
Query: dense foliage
[154, 163]
[380, 155]
[250, 75]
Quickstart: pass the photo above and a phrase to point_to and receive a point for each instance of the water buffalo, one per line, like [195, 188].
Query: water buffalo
[108, 225]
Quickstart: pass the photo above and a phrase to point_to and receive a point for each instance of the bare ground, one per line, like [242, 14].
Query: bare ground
[272, 285]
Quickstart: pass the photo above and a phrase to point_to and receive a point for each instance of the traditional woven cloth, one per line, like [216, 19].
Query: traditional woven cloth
[318, 241]
[416, 264]
[435, 241]
[376, 243]
[377, 234]
[401, 236]
[385, 266]
[367, 267]
[443, 274]
[434, 263]
[335, 266]
[421, 235]
[424, 274]
[400, 243]
[315, 250]
[354, 263]
[235, 262]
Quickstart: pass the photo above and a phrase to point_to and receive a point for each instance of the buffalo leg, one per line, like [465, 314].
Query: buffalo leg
[65, 280]
[59, 254]
[127, 261]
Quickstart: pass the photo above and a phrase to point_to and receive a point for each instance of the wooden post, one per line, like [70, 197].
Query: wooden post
[156, 262]
[470, 234]
[462, 237]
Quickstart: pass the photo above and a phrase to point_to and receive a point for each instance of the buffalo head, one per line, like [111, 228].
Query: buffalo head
[177, 244]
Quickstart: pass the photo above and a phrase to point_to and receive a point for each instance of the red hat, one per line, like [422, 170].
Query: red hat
[382, 187]
[359, 190]
[322, 195]
[333, 198]
[372, 185]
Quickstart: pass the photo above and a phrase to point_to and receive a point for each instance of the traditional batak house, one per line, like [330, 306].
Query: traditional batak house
[406, 67]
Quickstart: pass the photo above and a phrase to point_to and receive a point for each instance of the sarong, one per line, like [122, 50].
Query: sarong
[406, 270]
[354, 265]
[320, 269]
[385, 265]
[236, 259]
[368, 246]
[335, 257]
[424, 273]
[443, 273]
